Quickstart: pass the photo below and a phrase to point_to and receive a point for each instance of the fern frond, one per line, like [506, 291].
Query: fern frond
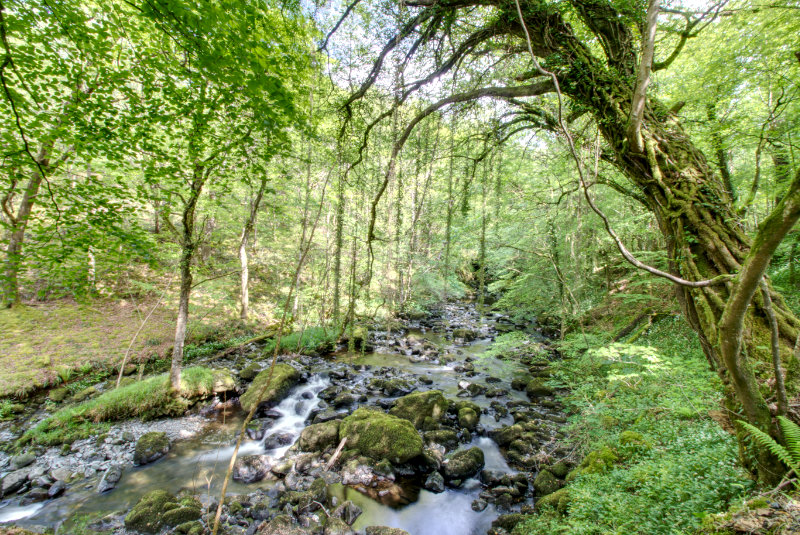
[768, 442]
[791, 432]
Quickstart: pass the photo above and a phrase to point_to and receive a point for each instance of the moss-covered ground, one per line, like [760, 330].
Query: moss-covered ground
[147, 399]
[646, 420]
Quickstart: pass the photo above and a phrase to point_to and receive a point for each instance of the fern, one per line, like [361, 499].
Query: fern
[790, 454]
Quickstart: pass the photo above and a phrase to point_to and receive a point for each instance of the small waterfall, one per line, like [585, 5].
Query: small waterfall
[295, 409]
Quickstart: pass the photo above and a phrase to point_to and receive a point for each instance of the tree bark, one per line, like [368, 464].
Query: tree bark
[188, 249]
[247, 230]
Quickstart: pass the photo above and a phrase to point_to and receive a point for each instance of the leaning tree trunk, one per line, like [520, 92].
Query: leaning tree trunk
[695, 213]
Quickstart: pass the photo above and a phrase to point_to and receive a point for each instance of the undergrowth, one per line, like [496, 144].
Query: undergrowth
[311, 339]
[643, 410]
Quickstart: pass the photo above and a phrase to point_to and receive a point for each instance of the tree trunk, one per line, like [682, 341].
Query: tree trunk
[188, 248]
[16, 236]
[337, 256]
[246, 231]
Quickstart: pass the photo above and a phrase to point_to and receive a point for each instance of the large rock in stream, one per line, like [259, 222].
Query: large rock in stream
[150, 447]
[463, 464]
[283, 379]
[319, 437]
[423, 409]
[159, 508]
[379, 436]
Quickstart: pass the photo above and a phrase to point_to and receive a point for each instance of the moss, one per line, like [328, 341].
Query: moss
[423, 409]
[319, 437]
[381, 436]
[148, 399]
[445, 437]
[463, 464]
[596, 462]
[58, 394]
[150, 447]
[546, 483]
[250, 371]
[558, 501]
[181, 515]
[536, 388]
[84, 394]
[284, 378]
[632, 438]
[467, 418]
[147, 514]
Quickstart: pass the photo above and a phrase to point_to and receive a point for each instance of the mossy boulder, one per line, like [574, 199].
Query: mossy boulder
[446, 437]
[150, 447]
[283, 379]
[546, 483]
[559, 469]
[190, 528]
[337, 526]
[463, 464]
[508, 434]
[147, 516]
[468, 419]
[222, 381]
[423, 409]
[536, 389]
[319, 437]
[84, 394]
[250, 371]
[58, 394]
[377, 435]
[558, 501]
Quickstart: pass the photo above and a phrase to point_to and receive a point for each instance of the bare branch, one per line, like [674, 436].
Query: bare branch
[643, 78]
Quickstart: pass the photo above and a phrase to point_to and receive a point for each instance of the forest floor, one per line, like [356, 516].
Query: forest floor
[43, 343]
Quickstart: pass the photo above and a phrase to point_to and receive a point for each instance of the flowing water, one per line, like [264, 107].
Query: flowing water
[200, 463]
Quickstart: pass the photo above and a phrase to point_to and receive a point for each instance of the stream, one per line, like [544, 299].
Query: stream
[447, 352]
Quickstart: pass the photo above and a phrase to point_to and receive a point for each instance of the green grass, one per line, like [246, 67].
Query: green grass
[309, 340]
[680, 466]
[147, 399]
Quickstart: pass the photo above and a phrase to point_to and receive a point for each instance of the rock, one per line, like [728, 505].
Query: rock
[536, 389]
[560, 469]
[435, 482]
[336, 526]
[465, 334]
[381, 436]
[56, 489]
[280, 525]
[423, 409]
[508, 434]
[283, 379]
[468, 419]
[58, 394]
[546, 483]
[13, 482]
[479, 505]
[508, 522]
[383, 530]
[463, 464]
[251, 468]
[147, 515]
[188, 511]
[22, 460]
[61, 474]
[150, 447]
[348, 512]
[250, 371]
[319, 437]
[475, 389]
[444, 437]
[84, 394]
[277, 440]
[519, 383]
[110, 478]
[328, 415]
[34, 496]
